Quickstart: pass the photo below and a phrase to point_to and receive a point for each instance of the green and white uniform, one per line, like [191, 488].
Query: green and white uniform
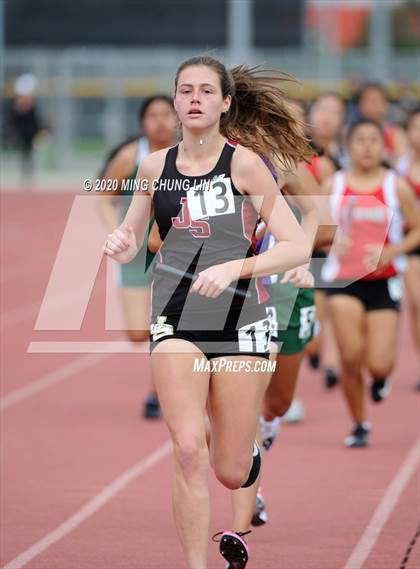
[137, 273]
[291, 310]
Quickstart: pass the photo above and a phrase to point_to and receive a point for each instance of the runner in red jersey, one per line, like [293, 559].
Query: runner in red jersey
[369, 204]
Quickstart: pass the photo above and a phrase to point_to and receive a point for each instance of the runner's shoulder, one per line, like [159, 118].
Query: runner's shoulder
[152, 165]
[246, 159]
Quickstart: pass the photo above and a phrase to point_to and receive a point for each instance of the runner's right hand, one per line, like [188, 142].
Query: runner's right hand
[121, 244]
[300, 277]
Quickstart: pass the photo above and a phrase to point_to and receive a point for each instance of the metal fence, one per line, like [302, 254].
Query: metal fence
[89, 96]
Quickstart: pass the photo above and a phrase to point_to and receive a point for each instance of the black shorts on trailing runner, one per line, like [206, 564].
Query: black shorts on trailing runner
[374, 295]
[245, 334]
[415, 251]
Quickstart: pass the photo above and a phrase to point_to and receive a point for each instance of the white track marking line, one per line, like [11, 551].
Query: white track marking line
[51, 378]
[382, 513]
[95, 504]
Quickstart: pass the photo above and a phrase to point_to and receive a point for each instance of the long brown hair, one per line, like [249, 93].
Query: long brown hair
[260, 116]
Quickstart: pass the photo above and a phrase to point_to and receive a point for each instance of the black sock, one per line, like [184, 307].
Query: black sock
[255, 469]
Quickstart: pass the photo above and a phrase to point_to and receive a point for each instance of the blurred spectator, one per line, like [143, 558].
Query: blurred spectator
[372, 103]
[25, 123]
[326, 120]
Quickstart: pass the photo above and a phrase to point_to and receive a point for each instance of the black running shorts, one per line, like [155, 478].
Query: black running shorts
[374, 295]
[247, 333]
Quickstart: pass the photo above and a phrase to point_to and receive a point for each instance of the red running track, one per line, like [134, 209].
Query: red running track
[85, 482]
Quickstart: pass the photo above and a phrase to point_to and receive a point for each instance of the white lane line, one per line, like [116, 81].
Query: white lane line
[95, 504]
[51, 378]
[382, 513]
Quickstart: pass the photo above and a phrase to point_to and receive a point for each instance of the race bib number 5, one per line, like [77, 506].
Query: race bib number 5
[211, 198]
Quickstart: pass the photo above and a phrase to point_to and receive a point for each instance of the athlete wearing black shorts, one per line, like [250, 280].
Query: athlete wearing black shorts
[229, 324]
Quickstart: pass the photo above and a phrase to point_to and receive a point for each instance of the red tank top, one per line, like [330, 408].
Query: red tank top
[366, 219]
[315, 168]
[389, 135]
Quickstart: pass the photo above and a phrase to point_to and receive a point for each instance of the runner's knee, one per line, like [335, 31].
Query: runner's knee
[191, 454]
[351, 358]
[138, 335]
[232, 473]
[278, 406]
[380, 368]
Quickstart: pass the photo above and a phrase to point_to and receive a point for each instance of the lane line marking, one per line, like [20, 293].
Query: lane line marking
[91, 507]
[53, 377]
[385, 508]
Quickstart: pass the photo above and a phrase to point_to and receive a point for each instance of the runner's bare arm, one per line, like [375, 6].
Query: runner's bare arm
[253, 178]
[316, 219]
[123, 243]
[154, 241]
[118, 169]
[411, 212]
[138, 213]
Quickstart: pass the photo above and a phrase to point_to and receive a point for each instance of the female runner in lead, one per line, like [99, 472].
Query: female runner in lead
[207, 228]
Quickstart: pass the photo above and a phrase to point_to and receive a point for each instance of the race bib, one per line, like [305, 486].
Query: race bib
[307, 320]
[395, 288]
[272, 317]
[160, 329]
[255, 337]
[211, 198]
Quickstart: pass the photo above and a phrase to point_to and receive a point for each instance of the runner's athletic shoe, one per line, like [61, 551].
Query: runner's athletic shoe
[295, 412]
[151, 408]
[269, 431]
[380, 389]
[331, 378]
[359, 437]
[233, 548]
[314, 361]
[256, 466]
[260, 516]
